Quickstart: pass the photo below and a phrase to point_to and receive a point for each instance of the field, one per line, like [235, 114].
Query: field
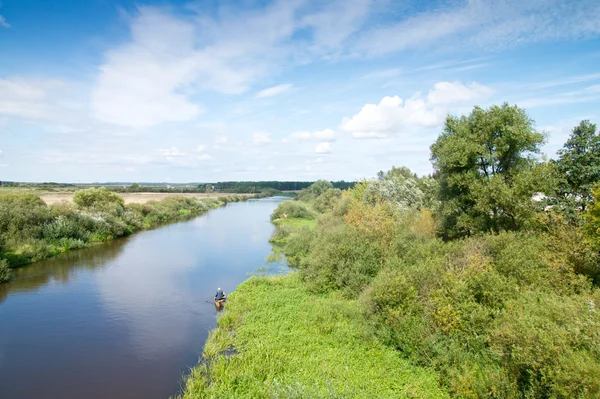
[138, 198]
[52, 197]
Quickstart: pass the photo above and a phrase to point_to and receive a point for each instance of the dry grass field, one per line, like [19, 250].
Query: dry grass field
[135, 198]
[130, 198]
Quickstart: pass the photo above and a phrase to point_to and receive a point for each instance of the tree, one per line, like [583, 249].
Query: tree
[99, 199]
[579, 165]
[488, 171]
[314, 190]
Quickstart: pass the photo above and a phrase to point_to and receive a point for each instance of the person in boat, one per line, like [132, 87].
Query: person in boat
[220, 296]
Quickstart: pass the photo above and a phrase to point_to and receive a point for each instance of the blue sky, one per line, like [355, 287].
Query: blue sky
[176, 91]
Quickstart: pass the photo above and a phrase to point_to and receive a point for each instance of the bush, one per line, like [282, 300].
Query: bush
[99, 199]
[5, 272]
[550, 344]
[328, 200]
[30, 230]
[342, 257]
[292, 210]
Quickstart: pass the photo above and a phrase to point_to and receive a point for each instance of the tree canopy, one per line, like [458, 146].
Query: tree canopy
[488, 170]
[579, 165]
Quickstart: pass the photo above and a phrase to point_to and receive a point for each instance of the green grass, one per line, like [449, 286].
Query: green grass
[289, 343]
[295, 223]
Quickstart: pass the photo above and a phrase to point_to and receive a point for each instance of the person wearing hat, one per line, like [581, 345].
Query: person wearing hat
[220, 295]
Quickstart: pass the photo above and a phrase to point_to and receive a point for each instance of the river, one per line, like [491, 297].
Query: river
[129, 318]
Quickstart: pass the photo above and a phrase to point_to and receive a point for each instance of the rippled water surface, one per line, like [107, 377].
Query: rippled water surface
[126, 319]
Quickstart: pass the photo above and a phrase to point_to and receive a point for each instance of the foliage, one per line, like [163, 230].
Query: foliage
[579, 165]
[327, 200]
[99, 199]
[314, 190]
[5, 272]
[30, 230]
[277, 340]
[292, 210]
[487, 171]
[504, 315]
[257, 186]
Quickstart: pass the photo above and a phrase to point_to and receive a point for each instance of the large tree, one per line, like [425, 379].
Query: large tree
[579, 165]
[488, 170]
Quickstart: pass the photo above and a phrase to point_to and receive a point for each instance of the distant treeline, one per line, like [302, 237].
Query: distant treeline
[254, 187]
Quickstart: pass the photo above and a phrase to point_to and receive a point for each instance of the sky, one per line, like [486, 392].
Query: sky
[216, 90]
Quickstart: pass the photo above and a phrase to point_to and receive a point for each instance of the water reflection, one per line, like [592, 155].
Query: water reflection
[62, 268]
[125, 320]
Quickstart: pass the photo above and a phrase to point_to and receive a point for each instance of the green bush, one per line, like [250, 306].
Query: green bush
[327, 200]
[550, 344]
[340, 258]
[5, 272]
[99, 199]
[30, 230]
[292, 210]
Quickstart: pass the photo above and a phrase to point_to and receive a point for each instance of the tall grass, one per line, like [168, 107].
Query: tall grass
[277, 340]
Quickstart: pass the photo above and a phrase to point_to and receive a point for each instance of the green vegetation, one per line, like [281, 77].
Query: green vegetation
[30, 230]
[268, 188]
[277, 340]
[485, 274]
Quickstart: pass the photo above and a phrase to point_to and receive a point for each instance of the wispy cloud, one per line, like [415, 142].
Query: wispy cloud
[566, 81]
[317, 135]
[30, 98]
[3, 22]
[481, 24]
[261, 138]
[273, 91]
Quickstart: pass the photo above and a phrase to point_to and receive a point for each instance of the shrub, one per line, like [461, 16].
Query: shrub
[550, 344]
[292, 210]
[99, 199]
[5, 272]
[328, 200]
[342, 257]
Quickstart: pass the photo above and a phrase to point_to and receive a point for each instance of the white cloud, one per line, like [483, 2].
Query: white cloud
[317, 135]
[445, 93]
[200, 148]
[261, 138]
[273, 91]
[172, 152]
[205, 157]
[323, 148]
[140, 83]
[392, 114]
[3, 22]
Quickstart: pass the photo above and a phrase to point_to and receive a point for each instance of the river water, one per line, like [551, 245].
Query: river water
[129, 318]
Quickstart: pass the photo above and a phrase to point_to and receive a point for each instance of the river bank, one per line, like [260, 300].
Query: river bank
[277, 340]
[128, 318]
[31, 230]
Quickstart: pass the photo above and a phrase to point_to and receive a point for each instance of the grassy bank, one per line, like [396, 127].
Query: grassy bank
[277, 340]
[31, 230]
